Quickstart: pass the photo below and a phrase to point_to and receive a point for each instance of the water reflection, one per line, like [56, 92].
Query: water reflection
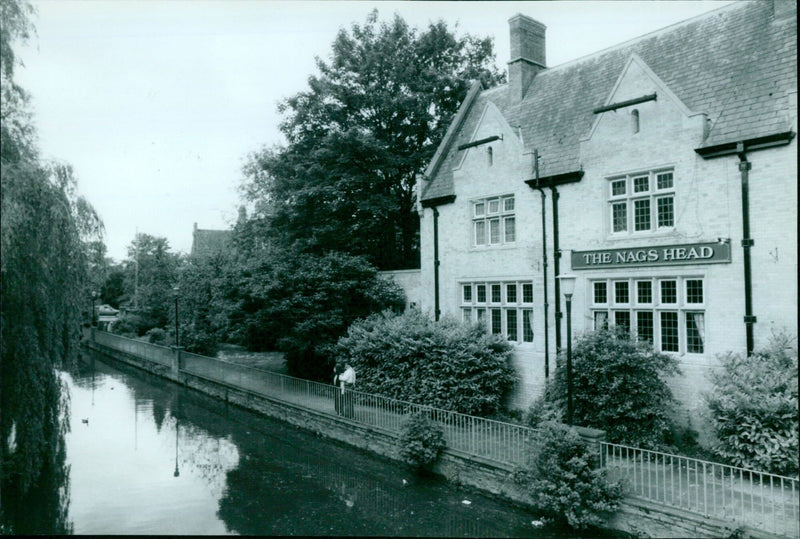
[156, 458]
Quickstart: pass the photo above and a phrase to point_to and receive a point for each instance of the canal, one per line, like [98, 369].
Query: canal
[147, 456]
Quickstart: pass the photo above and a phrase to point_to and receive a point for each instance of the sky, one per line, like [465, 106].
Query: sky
[156, 104]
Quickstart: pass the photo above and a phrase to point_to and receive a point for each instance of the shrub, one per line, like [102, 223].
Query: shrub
[446, 364]
[199, 342]
[156, 335]
[754, 408]
[421, 441]
[131, 325]
[619, 386]
[562, 479]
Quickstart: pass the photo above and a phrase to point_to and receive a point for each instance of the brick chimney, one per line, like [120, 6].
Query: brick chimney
[527, 53]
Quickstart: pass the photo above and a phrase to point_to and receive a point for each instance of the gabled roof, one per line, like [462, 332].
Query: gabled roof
[210, 242]
[736, 64]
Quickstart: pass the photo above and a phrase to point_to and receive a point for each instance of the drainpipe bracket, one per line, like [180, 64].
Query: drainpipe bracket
[745, 165]
[748, 242]
[751, 319]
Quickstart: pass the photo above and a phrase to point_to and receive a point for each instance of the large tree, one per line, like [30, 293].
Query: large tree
[151, 276]
[44, 230]
[360, 135]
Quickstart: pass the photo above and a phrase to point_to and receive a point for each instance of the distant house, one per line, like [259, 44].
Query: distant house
[105, 315]
[207, 243]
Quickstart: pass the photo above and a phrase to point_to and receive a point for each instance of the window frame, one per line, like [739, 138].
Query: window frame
[625, 197]
[684, 309]
[495, 217]
[512, 297]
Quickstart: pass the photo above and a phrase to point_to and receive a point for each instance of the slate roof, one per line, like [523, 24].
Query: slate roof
[210, 242]
[737, 64]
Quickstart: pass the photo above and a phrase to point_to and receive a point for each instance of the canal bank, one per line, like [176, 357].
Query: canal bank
[492, 477]
[154, 457]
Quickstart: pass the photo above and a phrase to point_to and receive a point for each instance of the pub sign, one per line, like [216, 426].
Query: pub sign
[661, 255]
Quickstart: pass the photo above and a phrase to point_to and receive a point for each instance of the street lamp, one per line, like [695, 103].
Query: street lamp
[177, 334]
[94, 317]
[568, 287]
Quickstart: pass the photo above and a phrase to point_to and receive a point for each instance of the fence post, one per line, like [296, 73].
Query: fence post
[92, 330]
[176, 359]
[593, 438]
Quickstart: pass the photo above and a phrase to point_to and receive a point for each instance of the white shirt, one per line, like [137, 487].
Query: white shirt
[348, 376]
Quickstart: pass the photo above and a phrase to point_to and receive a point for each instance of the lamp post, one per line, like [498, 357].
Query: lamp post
[568, 287]
[177, 334]
[94, 317]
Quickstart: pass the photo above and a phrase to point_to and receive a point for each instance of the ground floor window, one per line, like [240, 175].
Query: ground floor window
[668, 312]
[505, 307]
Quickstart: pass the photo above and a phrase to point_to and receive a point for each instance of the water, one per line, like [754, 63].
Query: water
[146, 456]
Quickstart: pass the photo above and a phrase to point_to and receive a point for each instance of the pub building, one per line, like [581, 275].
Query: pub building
[661, 173]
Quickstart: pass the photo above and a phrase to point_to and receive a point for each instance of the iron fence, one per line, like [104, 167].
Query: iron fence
[144, 350]
[475, 436]
[749, 498]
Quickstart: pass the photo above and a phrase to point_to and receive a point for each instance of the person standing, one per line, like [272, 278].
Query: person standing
[347, 380]
[338, 369]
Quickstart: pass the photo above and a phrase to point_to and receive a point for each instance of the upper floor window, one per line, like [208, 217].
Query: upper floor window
[641, 203]
[493, 221]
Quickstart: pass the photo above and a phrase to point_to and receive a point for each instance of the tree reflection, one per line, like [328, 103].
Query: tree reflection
[43, 508]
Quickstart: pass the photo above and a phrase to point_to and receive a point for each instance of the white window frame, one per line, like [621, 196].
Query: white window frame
[631, 197]
[470, 307]
[490, 214]
[656, 306]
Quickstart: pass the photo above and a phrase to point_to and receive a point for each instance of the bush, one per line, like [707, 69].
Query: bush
[562, 479]
[199, 342]
[421, 441]
[132, 325]
[156, 336]
[447, 364]
[619, 386]
[754, 408]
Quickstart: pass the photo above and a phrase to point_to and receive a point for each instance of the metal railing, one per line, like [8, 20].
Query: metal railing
[749, 498]
[475, 436]
[145, 350]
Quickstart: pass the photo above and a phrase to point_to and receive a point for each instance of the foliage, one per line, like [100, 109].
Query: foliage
[360, 135]
[619, 386]
[754, 408]
[446, 364]
[156, 336]
[132, 325]
[112, 291]
[562, 478]
[151, 289]
[44, 228]
[209, 298]
[421, 441]
[198, 341]
[304, 303]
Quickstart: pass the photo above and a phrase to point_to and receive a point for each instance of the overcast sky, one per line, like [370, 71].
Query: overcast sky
[157, 104]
